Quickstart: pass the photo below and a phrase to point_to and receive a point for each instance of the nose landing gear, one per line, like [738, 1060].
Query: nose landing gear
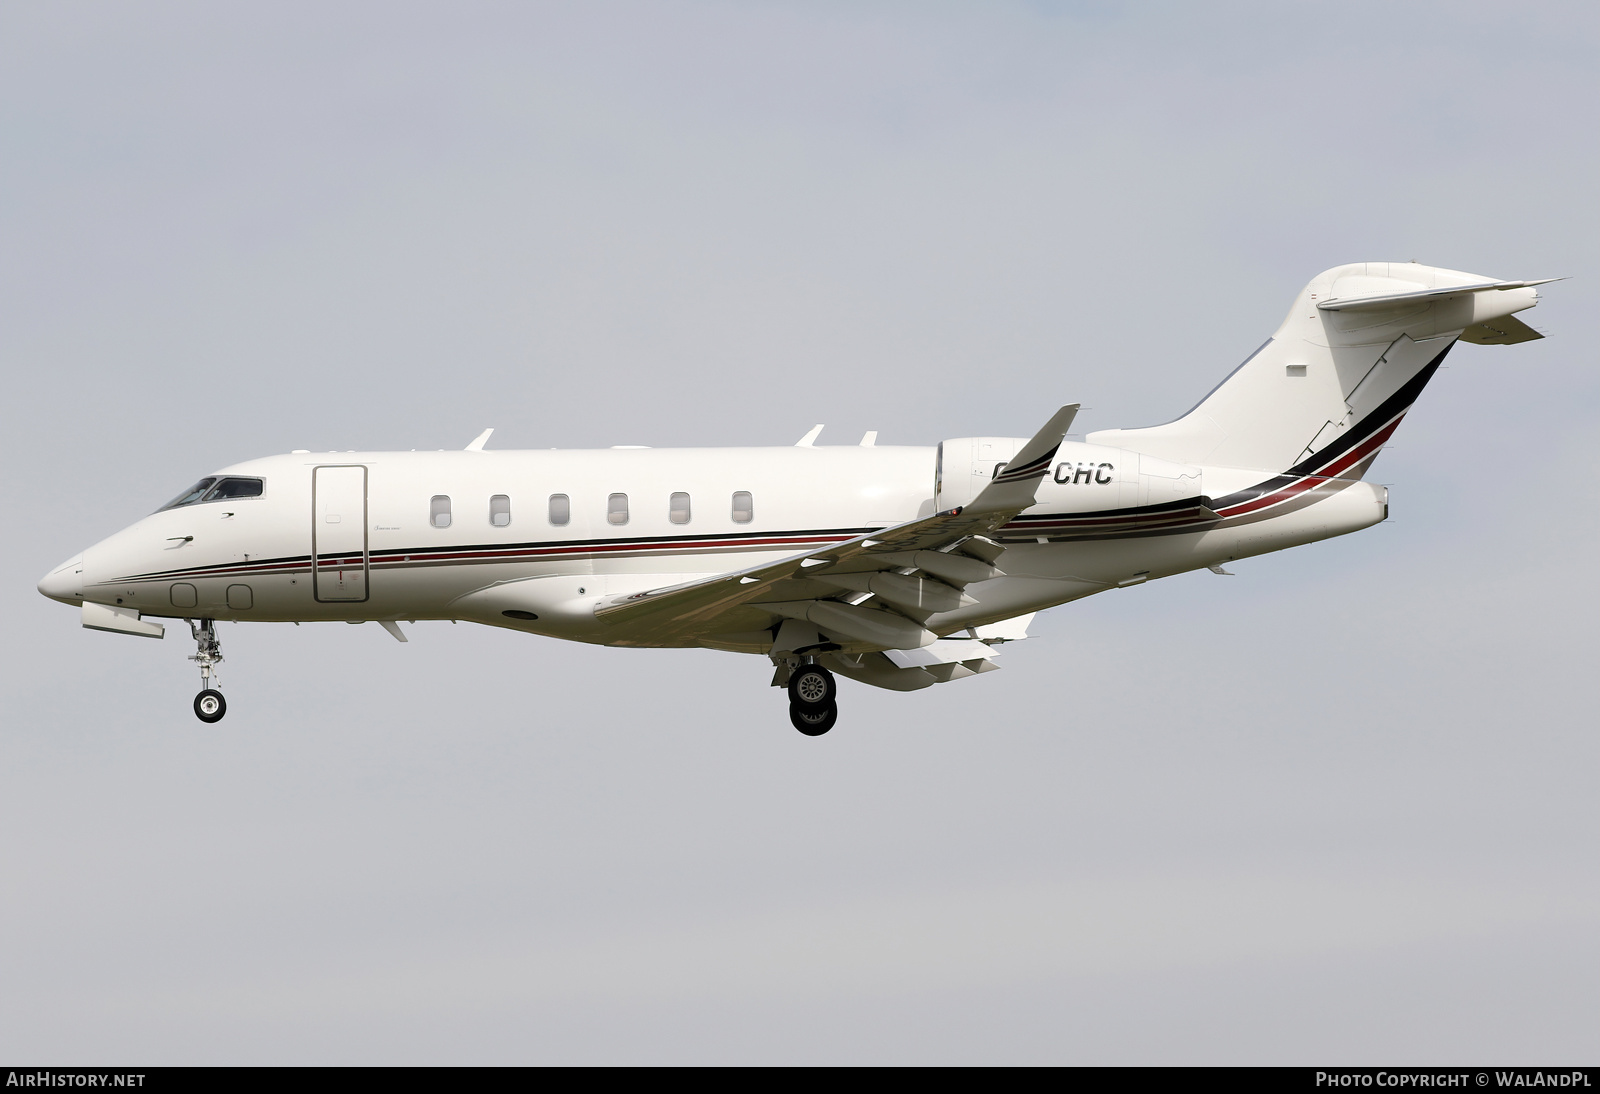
[813, 694]
[209, 705]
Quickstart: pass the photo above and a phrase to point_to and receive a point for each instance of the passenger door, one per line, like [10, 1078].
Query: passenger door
[339, 533]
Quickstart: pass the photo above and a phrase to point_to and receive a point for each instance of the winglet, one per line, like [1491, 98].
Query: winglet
[1014, 487]
[809, 439]
[479, 441]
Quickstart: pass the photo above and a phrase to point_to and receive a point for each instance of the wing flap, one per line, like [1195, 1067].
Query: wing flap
[946, 651]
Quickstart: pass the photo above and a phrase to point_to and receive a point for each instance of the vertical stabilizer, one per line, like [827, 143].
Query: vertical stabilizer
[1348, 361]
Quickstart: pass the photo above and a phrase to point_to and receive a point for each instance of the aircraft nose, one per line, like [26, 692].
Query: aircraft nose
[65, 582]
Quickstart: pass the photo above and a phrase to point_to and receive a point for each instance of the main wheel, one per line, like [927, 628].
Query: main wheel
[812, 686]
[813, 721]
[210, 706]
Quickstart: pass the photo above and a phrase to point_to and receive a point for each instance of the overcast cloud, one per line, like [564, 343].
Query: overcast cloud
[1337, 809]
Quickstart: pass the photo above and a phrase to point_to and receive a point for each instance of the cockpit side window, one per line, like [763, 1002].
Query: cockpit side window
[232, 487]
[216, 489]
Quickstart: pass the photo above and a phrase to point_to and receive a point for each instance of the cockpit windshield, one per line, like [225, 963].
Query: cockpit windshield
[216, 489]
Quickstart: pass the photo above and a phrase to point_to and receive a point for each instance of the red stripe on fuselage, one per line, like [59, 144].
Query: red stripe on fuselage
[1330, 471]
[399, 559]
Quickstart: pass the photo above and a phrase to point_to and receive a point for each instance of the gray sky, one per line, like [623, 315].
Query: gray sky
[1337, 809]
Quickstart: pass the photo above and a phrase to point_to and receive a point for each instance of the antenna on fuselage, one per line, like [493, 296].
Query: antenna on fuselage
[810, 439]
[479, 441]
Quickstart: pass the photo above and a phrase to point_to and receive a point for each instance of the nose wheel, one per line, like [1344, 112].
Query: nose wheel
[209, 705]
[813, 695]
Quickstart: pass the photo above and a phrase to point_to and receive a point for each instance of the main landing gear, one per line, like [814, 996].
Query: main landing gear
[813, 695]
[209, 705]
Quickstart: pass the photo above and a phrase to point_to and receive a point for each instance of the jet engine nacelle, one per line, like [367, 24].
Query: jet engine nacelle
[1083, 478]
[966, 465]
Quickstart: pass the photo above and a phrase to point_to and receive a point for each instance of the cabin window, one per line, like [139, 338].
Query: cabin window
[439, 511]
[560, 508]
[678, 511]
[617, 509]
[743, 507]
[500, 510]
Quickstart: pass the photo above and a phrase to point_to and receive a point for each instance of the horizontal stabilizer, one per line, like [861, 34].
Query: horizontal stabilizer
[1389, 300]
[1508, 330]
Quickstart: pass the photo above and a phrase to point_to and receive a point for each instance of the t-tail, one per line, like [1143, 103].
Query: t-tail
[1324, 393]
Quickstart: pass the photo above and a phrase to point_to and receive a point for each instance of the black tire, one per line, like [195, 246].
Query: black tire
[813, 721]
[210, 706]
[812, 687]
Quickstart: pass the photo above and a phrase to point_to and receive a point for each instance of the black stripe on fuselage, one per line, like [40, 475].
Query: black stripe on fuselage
[485, 552]
[1136, 511]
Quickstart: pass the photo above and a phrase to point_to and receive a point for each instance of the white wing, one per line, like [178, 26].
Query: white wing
[873, 592]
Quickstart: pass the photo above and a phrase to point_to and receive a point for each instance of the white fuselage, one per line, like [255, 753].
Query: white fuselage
[392, 556]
